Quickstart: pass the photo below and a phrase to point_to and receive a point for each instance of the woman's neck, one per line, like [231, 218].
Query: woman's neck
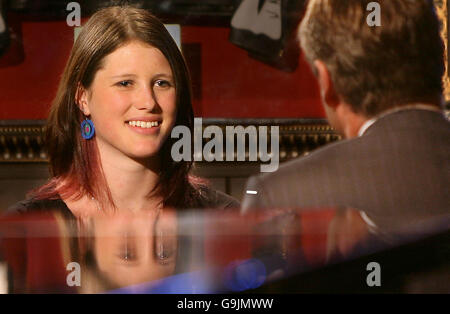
[130, 180]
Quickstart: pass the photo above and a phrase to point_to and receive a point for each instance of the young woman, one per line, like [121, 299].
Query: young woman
[124, 88]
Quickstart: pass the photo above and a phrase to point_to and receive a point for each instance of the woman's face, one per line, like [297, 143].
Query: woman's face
[132, 101]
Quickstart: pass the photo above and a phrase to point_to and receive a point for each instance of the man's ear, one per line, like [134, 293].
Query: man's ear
[81, 98]
[329, 96]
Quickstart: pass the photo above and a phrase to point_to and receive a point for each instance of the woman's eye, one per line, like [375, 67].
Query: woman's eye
[165, 248]
[162, 83]
[128, 255]
[124, 83]
[127, 251]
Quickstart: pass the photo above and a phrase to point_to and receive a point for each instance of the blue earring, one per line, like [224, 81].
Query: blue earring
[87, 129]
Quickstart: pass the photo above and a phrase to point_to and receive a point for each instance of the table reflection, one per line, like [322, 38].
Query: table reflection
[169, 251]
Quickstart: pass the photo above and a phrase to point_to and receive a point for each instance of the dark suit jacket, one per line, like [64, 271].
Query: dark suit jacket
[398, 172]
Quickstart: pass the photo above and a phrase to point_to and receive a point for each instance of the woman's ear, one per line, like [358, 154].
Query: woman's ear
[81, 99]
[330, 98]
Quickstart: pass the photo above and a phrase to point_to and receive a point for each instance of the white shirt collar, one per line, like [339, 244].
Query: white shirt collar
[365, 126]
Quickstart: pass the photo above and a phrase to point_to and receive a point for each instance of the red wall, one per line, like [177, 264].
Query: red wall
[233, 85]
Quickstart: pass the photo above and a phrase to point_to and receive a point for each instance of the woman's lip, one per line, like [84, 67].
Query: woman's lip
[145, 120]
[138, 129]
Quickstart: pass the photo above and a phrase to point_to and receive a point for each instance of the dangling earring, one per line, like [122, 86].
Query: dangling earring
[87, 129]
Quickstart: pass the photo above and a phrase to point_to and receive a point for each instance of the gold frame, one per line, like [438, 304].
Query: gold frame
[442, 11]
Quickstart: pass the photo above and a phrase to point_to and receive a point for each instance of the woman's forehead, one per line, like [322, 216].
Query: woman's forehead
[138, 55]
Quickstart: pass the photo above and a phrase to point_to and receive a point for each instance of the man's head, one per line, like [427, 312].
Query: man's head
[374, 68]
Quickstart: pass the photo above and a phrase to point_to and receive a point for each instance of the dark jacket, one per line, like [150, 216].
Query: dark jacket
[398, 173]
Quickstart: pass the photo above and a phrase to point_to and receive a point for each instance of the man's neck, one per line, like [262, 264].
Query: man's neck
[352, 128]
[350, 121]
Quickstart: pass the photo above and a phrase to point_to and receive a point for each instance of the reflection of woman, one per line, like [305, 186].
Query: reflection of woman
[127, 249]
[126, 84]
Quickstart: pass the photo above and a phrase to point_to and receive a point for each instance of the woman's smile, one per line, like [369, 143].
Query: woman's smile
[144, 125]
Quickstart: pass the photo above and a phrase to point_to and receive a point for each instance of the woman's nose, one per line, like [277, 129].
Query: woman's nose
[146, 99]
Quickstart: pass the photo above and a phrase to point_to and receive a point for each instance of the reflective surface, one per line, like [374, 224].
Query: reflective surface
[208, 251]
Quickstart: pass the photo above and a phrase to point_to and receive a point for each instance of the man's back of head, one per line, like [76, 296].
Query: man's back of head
[376, 68]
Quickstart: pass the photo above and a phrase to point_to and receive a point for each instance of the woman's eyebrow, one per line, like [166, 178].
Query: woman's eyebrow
[169, 76]
[124, 75]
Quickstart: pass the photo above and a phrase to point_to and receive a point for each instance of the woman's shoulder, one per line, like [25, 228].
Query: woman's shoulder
[211, 198]
[37, 205]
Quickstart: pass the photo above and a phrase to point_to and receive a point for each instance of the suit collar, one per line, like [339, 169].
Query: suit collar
[369, 123]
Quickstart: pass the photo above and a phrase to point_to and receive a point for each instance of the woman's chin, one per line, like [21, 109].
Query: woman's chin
[145, 153]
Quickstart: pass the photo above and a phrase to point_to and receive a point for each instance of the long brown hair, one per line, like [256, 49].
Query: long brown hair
[74, 162]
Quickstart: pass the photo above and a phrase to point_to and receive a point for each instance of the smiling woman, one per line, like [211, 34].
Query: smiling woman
[132, 102]
[124, 88]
